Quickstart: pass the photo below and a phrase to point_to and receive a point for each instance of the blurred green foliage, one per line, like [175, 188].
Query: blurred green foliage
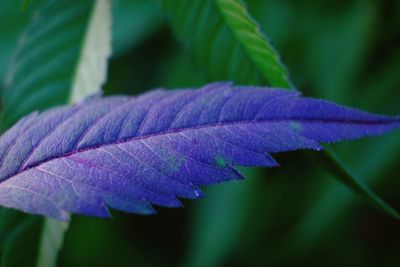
[346, 51]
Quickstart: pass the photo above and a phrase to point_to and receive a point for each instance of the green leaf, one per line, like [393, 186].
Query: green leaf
[227, 44]
[12, 22]
[226, 40]
[91, 68]
[335, 76]
[133, 22]
[212, 245]
[51, 240]
[335, 165]
[29, 240]
[61, 58]
[45, 62]
[328, 209]
[25, 5]
[18, 232]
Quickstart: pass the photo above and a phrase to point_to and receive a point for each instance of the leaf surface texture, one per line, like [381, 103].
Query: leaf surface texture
[128, 153]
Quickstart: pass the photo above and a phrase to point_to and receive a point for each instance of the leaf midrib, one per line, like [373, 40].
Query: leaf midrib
[234, 36]
[249, 54]
[382, 121]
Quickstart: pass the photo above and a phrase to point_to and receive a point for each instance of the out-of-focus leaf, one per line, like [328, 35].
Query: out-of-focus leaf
[51, 240]
[329, 208]
[29, 240]
[277, 18]
[95, 155]
[19, 233]
[386, 82]
[310, 35]
[320, 32]
[222, 36]
[225, 207]
[133, 22]
[44, 65]
[212, 32]
[317, 222]
[191, 35]
[12, 22]
[25, 4]
[91, 69]
[335, 75]
[178, 66]
[359, 187]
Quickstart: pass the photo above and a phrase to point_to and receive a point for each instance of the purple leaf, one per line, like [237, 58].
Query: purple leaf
[129, 153]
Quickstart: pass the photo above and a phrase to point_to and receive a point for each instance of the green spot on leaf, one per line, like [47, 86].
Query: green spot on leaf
[221, 161]
[295, 125]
